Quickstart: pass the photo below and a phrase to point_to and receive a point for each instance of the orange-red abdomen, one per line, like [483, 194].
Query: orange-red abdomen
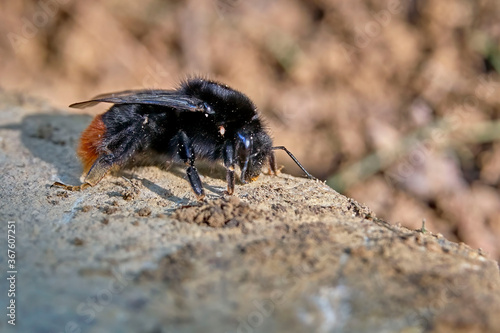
[90, 143]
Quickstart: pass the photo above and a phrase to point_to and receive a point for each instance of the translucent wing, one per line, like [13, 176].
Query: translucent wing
[169, 98]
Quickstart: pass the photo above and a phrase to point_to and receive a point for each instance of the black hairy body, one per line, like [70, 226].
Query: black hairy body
[202, 119]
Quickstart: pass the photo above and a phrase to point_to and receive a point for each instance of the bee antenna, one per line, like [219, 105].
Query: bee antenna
[295, 160]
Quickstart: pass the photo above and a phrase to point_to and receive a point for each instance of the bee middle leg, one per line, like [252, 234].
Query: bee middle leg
[186, 153]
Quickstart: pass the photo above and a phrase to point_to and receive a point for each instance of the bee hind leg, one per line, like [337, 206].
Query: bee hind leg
[71, 187]
[98, 170]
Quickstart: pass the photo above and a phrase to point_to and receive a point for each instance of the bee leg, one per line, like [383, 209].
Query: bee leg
[272, 164]
[99, 169]
[126, 144]
[71, 187]
[186, 153]
[195, 181]
[230, 180]
[228, 155]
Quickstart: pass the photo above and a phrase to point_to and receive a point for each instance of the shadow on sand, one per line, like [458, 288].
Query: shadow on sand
[54, 137]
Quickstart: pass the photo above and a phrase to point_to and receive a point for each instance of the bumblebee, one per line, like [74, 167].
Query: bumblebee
[201, 119]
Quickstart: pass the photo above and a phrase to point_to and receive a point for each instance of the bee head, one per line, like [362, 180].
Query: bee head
[252, 152]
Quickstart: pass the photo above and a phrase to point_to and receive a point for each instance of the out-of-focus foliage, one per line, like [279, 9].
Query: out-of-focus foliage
[396, 103]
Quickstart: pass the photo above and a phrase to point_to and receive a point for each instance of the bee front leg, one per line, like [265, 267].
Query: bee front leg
[230, 180]
[186, 153]
[229, 164]
[273, 169]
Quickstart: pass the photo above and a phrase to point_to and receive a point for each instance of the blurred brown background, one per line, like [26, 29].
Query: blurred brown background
[395, 103]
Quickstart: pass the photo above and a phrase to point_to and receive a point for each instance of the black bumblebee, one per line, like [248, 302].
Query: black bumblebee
[200, 119]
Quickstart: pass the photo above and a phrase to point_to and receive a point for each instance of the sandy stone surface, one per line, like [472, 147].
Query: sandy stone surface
[137, 253]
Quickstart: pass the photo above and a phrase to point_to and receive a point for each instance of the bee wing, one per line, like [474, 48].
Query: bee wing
[169, 98]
